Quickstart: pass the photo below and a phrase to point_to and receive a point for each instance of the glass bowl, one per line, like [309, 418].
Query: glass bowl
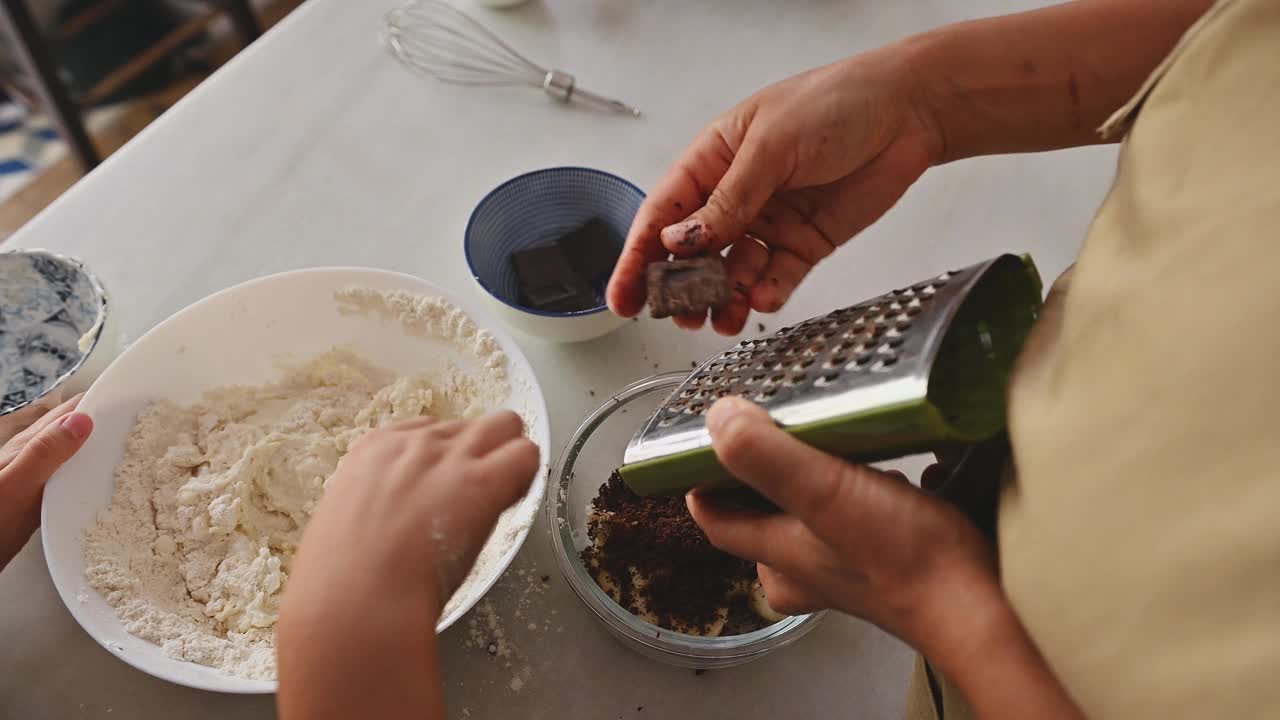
[587, 461]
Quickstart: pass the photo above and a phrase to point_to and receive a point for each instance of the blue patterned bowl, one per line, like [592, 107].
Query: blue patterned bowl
[535, 209]
[52, 312]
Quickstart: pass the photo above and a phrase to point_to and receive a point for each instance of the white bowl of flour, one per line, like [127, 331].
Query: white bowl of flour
[169, 535]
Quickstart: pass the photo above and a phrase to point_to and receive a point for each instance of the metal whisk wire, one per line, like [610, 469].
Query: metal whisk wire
[434, 39]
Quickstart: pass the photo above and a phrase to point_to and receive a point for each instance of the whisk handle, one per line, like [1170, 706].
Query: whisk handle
[562, 86]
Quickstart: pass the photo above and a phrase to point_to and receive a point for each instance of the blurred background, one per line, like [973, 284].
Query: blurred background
[79, 78]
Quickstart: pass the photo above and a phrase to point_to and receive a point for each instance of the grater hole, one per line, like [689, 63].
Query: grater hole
[764, 395]
[885, 363]
[667, 421]
[903, 325]
[797, 378]
[805, 364]
[696, 408]
[896, 342]
[836, 361]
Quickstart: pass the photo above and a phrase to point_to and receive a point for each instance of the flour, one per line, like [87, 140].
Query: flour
[210, 501]
[427, 317]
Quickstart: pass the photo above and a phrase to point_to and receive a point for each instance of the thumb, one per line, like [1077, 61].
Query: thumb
[48, 450]
[734, 203]
[820, 489]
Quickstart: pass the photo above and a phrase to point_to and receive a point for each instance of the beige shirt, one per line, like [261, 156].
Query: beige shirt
[1140, 542]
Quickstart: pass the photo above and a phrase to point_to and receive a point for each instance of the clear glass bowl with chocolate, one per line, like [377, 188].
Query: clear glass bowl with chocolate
[702, 609]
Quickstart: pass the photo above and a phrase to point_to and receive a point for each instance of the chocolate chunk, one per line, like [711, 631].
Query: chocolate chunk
[547, 281]
[592, 250]
[690, 285]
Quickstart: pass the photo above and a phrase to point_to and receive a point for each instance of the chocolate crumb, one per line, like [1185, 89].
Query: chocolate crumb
[760, 326]
[693, 364]
[492, 649]
[592, 393]
[639, 708]
[546, 578]
[689, 579]
[699, 672]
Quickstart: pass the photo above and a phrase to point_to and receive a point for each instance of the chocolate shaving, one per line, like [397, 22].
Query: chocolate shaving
[689, 580]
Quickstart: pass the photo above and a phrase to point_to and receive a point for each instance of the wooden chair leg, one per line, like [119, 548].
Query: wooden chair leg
[244, 20]
[32, 53]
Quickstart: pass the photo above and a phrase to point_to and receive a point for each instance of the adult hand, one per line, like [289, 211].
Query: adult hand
[27, 462]
[851, 538]
[400, 525]
[869, 544]
[801, 166]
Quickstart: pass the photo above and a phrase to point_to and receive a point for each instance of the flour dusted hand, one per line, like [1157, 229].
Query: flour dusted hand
[399, 527]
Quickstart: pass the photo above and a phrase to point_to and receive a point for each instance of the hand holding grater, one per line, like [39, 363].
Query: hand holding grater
[920, 369]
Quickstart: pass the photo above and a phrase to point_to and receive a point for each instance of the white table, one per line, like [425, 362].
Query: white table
[314, 148]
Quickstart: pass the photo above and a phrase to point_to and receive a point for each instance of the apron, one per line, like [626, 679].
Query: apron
[1139, 538]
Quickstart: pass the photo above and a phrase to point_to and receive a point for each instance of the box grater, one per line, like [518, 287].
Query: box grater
[919, 369]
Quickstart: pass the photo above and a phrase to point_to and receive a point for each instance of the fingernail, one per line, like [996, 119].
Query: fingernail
[690, 235]
[78, 425]
[722, 412]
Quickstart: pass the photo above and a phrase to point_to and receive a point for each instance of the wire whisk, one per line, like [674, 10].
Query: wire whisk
[434, 39]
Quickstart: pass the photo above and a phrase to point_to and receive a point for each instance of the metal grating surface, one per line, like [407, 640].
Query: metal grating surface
[823, 367]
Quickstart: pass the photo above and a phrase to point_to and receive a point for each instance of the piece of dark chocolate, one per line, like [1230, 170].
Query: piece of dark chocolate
[687, 285]
[546, 281]
[592, 250]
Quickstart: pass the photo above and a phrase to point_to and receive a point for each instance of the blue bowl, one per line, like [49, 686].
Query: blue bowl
[535, 209]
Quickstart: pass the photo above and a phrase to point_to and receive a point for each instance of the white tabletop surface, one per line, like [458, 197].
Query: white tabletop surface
[313, 147]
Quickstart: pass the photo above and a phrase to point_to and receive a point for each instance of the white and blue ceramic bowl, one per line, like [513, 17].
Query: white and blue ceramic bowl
[535, 209]
[53, 312]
